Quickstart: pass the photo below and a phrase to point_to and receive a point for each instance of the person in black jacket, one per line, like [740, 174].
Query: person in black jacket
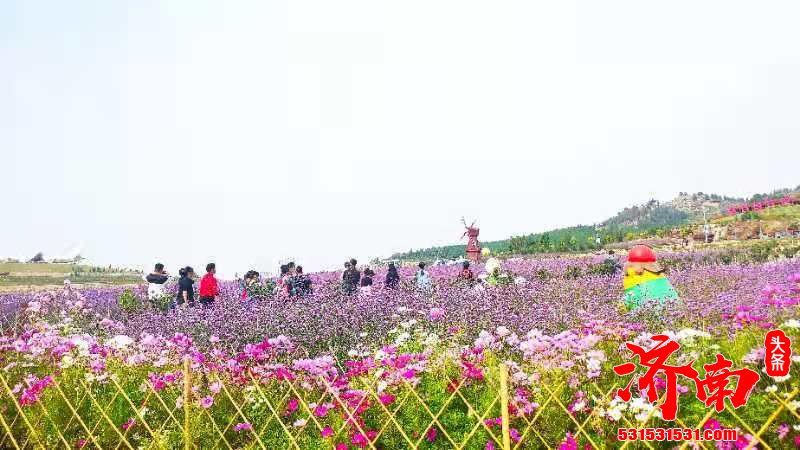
[366, 280]
[392, 277]
[186, 287]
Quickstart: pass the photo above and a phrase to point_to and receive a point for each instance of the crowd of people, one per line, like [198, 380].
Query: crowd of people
[644, 281]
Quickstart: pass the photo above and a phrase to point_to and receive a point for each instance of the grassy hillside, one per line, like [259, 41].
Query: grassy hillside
[639, 221]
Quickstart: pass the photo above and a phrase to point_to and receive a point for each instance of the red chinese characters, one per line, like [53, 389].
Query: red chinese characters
[778, 353]
[718, 384]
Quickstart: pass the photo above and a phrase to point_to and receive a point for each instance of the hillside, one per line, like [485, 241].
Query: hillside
[652, 218]
[14, 275]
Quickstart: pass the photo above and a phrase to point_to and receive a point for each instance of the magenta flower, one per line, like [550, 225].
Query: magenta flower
[569, 443]
[431, 434]
[291, 406]
[327, 432]
[130, 423]
[386, 399]
[321, 411]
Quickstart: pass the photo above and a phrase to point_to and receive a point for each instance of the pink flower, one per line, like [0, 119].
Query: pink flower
[436, 314]
[489, 445]
[207, 401]
[291, 406]
[242, 426]
[215, 387]
[327, 432]
[321, 411]
[783, 430]
[131, 422]
[81, 443]
[341, 446]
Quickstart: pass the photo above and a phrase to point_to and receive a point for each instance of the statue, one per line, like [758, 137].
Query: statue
[473, 246]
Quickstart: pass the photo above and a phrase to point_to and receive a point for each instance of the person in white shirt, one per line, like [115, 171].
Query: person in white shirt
[156, 281]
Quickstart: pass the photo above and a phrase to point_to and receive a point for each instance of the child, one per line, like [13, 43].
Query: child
[644, 279]
[209, 288]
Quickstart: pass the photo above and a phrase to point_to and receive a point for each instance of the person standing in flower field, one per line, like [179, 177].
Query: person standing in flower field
[185, 287]
[422, 278]
[302, 283]
[465, 277]
[644, 280]
[351, 277]
[209, 288]
[156, 280]
[392, 277]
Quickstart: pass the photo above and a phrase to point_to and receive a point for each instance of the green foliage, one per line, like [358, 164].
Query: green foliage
[128, 301]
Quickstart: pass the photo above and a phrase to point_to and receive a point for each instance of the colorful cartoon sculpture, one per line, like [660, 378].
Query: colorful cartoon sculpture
[644, 279]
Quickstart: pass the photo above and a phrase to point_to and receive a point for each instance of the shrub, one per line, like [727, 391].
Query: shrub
[128, 301]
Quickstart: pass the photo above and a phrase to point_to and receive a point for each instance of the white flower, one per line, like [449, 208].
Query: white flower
[793, 323]
[119, 342]
[67, 361]
[363, 334]
[299, 423]
[408, 324]
[689, 333]
[502, 331]
[402, 338]
[352, 353]
[615, 414]
[382, 385]
[432, 339]
[770, 389]
[793, 405]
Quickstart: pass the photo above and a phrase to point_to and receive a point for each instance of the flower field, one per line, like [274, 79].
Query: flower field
[524, 365]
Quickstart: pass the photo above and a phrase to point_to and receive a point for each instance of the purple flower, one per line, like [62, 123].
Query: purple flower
[242, 426]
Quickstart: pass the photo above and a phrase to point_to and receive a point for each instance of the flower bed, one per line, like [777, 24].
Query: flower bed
[387, 369]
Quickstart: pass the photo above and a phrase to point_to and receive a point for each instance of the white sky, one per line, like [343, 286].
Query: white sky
[251, 132]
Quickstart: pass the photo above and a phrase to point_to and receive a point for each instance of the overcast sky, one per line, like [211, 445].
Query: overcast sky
[252, 132]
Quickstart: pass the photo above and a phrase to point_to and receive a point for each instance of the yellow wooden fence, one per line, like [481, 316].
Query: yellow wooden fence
[86, 414]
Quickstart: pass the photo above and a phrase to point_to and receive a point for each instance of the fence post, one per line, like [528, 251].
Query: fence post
[187, 401]
[504, 406]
